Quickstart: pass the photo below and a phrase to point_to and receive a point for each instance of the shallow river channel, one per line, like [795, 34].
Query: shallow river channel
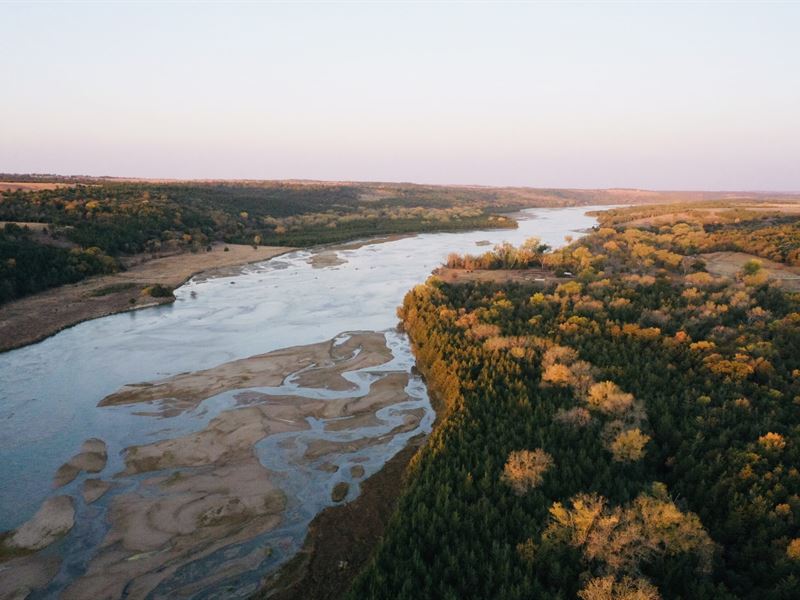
[196, 447]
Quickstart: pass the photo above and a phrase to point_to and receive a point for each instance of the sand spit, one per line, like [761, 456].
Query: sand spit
[53, 520]
[92, 458]
[317, 365]
[93, 489]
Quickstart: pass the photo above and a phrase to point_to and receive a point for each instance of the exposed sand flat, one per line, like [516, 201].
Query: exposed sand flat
[330, 257]
[231, 435]
[386, 391]
[174, 520]
[361, 351]
[207, 489]
[228, 438]
[39, 316]
[20, 576]
[728, 264]
[351, 422]
[54, 519]
[94, 489]
[325, 362]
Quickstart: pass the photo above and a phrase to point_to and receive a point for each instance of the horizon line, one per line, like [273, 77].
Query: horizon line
[170, 180]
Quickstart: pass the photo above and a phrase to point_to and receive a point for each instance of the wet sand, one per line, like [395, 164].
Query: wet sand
[317, 365]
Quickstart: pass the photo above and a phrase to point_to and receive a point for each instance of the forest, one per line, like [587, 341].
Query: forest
[27, 267]
[630, 433]
[115, 218]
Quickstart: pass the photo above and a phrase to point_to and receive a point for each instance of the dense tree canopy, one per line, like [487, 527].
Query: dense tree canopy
[658, 407]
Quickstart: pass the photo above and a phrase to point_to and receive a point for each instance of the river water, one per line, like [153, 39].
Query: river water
[49, 391]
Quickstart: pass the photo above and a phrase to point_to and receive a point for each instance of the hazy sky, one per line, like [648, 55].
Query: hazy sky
[668, 96]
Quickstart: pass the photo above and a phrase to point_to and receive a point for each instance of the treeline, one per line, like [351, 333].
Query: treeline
[133, 217]
[634, 433]
[117, 219]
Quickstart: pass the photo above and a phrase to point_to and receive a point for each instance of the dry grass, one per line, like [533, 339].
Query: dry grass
[29, 224]
[31, 186]
[728, 264]
[456, 276]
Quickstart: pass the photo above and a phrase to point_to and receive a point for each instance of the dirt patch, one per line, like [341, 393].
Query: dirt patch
[341, 539]
[728, 264]
[39, 316]
[456, 276]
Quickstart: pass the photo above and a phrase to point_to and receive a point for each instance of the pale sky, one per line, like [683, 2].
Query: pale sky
[664, 96]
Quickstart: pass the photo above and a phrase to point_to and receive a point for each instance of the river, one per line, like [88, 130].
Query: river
[50, 390]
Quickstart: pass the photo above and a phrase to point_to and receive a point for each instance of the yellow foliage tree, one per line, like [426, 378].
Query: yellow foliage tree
[557, 374]
[525, 469]
[559, 354]
[607, 397]
[624, 537]
[793, 549]
[772, 441]
[628, 445]
[627, 588]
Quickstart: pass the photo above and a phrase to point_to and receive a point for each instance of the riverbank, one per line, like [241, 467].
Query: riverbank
[37, 317]
[341, 539]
